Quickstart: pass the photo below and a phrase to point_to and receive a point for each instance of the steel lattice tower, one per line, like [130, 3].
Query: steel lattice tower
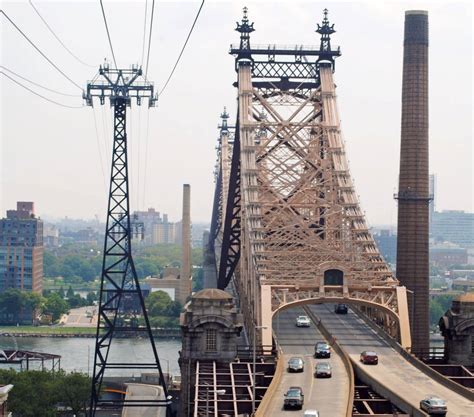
[121, 301]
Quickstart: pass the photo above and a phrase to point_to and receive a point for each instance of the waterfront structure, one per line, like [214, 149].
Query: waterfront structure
[457, 327]
[454, 226]
[21, 249]
[210, 327]
[413, 190]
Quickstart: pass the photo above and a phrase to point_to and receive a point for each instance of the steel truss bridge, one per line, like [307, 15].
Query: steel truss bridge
[287, 228]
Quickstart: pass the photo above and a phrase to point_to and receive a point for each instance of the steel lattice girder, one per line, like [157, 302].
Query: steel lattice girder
[300, 213]
[118, 270]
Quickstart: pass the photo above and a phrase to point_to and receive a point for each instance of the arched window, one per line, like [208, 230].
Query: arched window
[333, 277]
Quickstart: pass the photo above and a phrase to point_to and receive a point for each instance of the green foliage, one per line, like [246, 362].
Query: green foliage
[55, 306]
[78, 264]
[39, 393]
[159, 303]
[17, 306]
[438, 306]
[74, 391]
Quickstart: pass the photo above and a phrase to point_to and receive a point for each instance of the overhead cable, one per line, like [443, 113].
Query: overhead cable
[182, 49]
[108, 33]
[144, 33]
[58, 39]
[149, 37]
[42, 54]
[39, 95]
[38, 85]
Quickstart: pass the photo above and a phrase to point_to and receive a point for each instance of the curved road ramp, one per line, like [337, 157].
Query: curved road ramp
[394, 376]
[144, 392]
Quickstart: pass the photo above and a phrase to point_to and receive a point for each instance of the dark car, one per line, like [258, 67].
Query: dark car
[323, 370]
[368, 357]
[296, 364]
[340, 309]
[294, 398]
[322, 350]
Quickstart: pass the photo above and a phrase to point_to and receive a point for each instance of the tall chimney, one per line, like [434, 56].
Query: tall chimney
[186, 273]
[413, 189]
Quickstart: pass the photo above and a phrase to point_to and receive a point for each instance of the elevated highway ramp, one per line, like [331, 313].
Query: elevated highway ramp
[329, 395]
[393, 371]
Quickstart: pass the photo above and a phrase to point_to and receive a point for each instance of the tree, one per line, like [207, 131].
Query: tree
[56, 306]
[91, 297]
[11, 304]
[61, 292]
[70, 293]
[74, 390]
[34, 394]
[158, 303]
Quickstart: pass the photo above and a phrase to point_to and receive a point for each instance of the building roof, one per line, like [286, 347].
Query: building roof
[468, 297]
[212, 294]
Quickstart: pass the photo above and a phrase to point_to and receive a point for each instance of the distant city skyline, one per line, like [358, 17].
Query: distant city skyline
[50, 155]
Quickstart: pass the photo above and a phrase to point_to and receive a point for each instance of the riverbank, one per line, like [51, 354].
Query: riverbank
[66, 332]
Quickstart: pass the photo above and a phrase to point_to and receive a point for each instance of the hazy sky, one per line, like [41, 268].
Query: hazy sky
[50, 154]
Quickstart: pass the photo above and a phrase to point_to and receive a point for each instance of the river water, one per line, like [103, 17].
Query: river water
[77, 354]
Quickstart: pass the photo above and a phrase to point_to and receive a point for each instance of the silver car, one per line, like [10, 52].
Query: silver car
[296, 364]
[323, 370]
[434, 406]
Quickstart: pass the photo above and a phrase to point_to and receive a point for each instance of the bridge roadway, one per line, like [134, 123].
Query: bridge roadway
[327, 395]
[393, 370]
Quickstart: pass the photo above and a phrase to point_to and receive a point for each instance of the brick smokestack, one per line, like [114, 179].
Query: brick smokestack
[186, 263]
[413, 188]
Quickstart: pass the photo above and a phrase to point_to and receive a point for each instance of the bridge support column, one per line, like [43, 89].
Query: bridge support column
[404, 322]
[266, 309]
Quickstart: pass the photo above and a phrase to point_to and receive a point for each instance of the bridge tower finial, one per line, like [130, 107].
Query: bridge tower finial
[245, 29]
[325, 30]
[224, 117]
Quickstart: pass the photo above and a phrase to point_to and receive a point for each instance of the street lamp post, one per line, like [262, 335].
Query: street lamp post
[255, 328]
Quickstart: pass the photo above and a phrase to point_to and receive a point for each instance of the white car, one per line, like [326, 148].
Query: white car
[303, 321]
[434, 406]
[311, 413]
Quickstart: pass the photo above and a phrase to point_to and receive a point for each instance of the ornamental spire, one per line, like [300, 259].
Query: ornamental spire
[325, 30]
[245, 29]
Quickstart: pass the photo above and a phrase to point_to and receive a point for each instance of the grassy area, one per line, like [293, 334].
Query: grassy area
[47, 330]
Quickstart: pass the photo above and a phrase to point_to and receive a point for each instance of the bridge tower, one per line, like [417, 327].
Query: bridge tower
[293, 230]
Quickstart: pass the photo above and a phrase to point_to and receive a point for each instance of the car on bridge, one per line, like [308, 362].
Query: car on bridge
[311, 413]
[434, 406]
[322, 350]
[340, 309]
[323, 370]
[303, 321]
[369, 357]
[294, 398]
[296, 364]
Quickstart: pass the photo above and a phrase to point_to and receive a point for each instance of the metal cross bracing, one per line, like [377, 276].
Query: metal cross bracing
[303, 237]
[121, 302]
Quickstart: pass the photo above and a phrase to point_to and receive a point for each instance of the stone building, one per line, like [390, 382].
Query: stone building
[457, 327]
[210, 327]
